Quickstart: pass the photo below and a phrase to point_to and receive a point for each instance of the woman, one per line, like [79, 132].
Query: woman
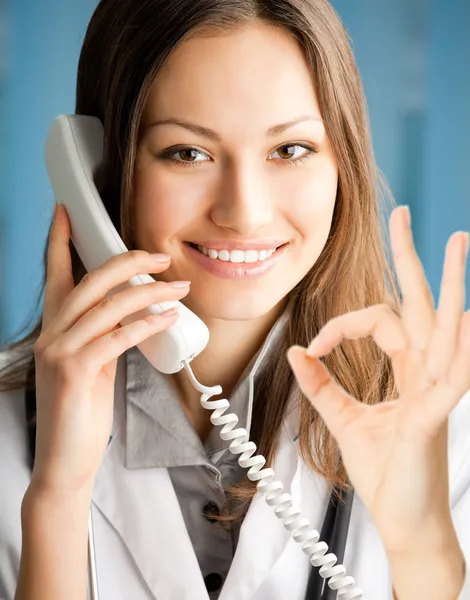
[207, 106]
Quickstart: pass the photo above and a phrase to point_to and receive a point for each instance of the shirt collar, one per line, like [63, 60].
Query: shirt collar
[158, 433]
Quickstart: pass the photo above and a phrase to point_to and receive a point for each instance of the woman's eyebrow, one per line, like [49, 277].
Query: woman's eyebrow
[215, 137]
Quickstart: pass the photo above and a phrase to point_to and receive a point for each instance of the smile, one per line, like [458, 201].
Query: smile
[236, 256]
[236, 264]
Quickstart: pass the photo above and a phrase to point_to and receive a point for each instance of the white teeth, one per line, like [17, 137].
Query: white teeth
[224, 255]
[237, 256]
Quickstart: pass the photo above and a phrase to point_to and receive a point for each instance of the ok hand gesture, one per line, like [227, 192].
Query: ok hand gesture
[395, 452]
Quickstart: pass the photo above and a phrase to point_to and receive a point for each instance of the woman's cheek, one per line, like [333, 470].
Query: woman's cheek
[166, 203]
[315, 200]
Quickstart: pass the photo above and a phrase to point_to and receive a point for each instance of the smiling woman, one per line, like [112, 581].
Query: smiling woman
[237, 159]
[241, 193]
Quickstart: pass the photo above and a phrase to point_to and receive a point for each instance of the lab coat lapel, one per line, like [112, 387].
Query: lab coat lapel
[142, 506]
[263, 538]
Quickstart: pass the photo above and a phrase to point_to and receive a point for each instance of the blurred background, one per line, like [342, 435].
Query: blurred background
[414, 58]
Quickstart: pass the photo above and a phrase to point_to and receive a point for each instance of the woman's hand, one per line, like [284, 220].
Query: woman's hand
[395, 452]
[76, 356]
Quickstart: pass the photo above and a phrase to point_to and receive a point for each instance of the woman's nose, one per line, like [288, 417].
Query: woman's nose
[243, 203]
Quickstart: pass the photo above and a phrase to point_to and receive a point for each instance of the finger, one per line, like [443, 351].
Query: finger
[107, 348]
[59, 277]
[459, 374]
[98, 283]
[379, 321]
[418, 304]
[336, 407]
[443, 345]
[106, 315]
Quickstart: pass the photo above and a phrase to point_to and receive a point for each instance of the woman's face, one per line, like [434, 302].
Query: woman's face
[231, 171]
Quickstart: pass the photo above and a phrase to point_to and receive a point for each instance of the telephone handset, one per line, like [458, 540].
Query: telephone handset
[74, 152]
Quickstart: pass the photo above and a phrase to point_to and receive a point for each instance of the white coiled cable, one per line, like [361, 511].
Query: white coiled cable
[272, 492]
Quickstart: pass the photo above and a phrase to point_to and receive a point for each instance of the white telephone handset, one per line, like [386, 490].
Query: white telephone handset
[74, 152]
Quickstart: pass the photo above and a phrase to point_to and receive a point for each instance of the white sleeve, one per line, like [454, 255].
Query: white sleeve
[461, 519]
[459, 478]
[14, 480]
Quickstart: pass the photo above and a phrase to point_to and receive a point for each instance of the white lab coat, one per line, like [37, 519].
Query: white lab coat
[143, 550]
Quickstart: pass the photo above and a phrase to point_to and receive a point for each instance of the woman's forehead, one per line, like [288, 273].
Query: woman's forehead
[255, 70]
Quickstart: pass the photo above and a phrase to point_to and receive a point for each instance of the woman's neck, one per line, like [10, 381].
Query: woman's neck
[231, 347]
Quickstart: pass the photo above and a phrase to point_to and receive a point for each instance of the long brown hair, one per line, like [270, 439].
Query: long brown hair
[126, 44]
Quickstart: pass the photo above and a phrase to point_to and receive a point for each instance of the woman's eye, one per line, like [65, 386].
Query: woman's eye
[187, 157]
[287, 153]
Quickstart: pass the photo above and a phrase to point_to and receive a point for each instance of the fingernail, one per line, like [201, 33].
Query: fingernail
[161, 257]
[465, 246]
[408, 216]
[55, 211]
[179, 284]
[313, 347]
[169, 312]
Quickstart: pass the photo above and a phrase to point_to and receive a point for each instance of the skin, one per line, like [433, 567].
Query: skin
[241, 187]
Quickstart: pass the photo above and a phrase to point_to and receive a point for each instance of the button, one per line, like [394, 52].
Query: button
[210, 508]
[213, 582]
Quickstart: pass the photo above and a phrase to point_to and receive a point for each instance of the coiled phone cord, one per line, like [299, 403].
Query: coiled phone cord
[271, 489]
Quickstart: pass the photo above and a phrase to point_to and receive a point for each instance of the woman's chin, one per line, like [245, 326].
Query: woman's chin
[212, 307]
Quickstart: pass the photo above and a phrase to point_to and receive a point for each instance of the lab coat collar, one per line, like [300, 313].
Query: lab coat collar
[158, 433]
[141, 505]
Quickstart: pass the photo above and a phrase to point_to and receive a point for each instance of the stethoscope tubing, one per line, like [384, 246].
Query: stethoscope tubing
[334, 533]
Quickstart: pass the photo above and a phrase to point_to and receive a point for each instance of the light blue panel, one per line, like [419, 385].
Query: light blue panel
[390, 63]
[376, 30]
[414, 63]
[447, 147]
[46, 38]
[4, 73]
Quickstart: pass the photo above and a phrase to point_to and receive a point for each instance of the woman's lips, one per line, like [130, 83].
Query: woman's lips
[230, 270]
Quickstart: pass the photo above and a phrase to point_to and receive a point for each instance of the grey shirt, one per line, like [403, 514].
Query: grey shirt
[158, 434]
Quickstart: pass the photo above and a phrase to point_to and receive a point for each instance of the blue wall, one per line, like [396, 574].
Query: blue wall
[414, 61]
[413, 58]
[45, 39]
[446, 200]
